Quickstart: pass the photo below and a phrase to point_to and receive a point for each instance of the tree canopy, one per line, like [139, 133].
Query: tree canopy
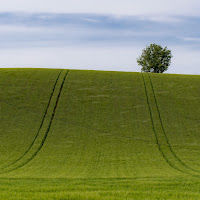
[155, 59]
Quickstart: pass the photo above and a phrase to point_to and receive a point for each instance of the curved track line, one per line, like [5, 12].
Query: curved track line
[39, 127]
[47, 131]
[165, 134]
[154, 130]
[72, 123]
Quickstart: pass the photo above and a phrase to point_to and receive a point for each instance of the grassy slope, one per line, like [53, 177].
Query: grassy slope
[24, 97]
[180, 111]
[109, 128]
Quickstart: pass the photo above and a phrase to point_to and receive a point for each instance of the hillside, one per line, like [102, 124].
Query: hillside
[99, 128]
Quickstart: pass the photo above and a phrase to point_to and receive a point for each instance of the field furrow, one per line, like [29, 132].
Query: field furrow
[161, 137]
[44, 128]
[12, 163]
[166, 137]
[158, 141]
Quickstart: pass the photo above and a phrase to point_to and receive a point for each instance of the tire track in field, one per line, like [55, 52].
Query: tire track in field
[154, 130]
[47, 130]
[75, 124]
[165, 134]
[39, 127]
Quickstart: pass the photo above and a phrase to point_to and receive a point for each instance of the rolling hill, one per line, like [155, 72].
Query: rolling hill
[75, 134]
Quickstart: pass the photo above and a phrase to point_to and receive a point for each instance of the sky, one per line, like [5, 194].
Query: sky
[98, 34]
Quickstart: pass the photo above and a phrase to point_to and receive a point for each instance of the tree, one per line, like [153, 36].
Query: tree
[155, 59]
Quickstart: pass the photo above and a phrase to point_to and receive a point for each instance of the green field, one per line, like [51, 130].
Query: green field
[78, 135]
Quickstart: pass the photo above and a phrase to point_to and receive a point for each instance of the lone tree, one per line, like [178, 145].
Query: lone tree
[155, 59]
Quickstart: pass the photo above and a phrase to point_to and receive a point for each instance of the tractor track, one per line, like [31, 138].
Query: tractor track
[39, 127]
[47, 130]
[154, 130]
[165, 134]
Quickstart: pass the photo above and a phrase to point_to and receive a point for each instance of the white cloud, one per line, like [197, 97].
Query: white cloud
[191, 39]
[91, 20]
[14, 29]
[55, 50]
[162, 19]
[116, 7]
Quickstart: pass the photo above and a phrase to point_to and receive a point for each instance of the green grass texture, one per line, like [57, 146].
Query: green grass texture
[84, 135]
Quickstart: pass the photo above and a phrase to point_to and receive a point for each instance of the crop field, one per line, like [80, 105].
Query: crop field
[94, 135]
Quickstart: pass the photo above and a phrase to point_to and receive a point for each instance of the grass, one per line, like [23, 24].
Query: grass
[98, 135]
[96, 189]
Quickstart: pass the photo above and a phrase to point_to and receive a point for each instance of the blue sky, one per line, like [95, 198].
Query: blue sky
[108, 35]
